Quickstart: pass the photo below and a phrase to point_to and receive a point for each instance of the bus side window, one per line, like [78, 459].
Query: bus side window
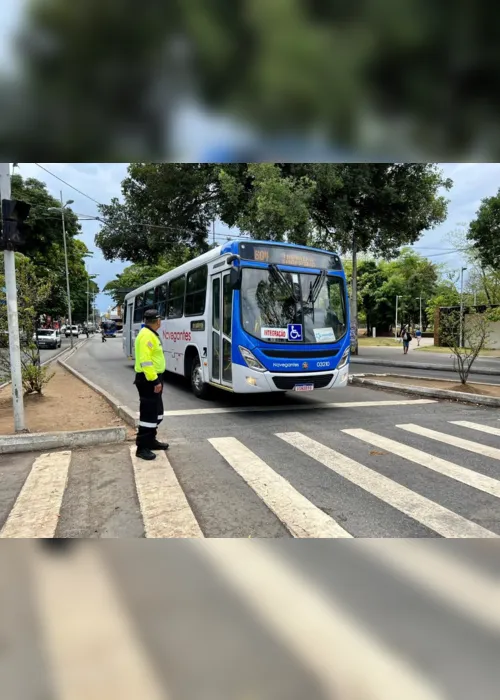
[149, 299]
[161, 299]
[196, 291]
[138, 309]
[125, 312]
[175, 306]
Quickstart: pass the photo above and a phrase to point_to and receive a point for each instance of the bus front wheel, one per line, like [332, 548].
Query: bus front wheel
[199, 387]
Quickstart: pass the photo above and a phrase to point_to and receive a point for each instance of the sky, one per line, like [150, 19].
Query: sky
[102, 182]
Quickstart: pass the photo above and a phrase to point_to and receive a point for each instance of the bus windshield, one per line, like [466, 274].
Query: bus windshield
[273, 299]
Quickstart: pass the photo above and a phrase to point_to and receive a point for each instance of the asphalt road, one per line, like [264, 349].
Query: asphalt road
[290, 466]
[245, 620]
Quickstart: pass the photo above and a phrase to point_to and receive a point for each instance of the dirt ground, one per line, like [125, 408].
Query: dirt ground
[482, 389]
[67, 404]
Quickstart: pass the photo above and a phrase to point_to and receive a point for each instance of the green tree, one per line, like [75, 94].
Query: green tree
[268, 206]
[371, 278]
[32, 292]
[45, 249]
[375, 207]
[167, 207]
[295, 66]
[484, 231]
[445, 295]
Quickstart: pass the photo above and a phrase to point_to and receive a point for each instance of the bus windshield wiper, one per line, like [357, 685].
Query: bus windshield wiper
[316, 287]
[282, 282]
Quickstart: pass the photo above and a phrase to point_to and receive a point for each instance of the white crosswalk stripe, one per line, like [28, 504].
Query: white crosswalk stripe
[165, 511]
[441, 466]
[489, 429]
[318, 624]
[434, 516]
[301, 517]
[88, 637]
[36, 510]
[453, 582]
[463, 444]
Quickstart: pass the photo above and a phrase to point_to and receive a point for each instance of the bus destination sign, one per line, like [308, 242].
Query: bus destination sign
[283, 255]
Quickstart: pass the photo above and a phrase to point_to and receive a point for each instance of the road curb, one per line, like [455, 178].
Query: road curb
[460, 396]
[34, 442]
[415, 365]
[122, 411]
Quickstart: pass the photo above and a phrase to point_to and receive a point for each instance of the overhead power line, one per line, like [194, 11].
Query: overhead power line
[69, 184]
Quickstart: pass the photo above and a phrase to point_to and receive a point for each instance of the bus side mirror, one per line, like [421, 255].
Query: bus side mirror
[235, 278]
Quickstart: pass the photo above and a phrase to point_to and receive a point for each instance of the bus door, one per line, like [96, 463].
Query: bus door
[129, 328]
[221, 371]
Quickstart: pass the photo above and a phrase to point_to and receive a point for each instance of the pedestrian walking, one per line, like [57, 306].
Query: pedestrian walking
[406, 337]
[149, 370]
[418, 336]
[103, 333]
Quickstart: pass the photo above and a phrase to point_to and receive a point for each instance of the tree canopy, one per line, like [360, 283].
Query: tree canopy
[45, 250]
[167, 207]
[291, 66]
[484, 231]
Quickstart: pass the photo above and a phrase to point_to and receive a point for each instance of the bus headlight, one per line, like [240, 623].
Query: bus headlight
[251, 360]
[344, 359]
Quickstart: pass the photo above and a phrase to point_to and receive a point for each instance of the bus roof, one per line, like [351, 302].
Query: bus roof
[231, 247]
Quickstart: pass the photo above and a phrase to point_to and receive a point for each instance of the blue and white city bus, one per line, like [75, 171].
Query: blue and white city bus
[251, 317]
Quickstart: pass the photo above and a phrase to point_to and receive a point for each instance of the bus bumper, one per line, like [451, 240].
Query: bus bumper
[249, 381]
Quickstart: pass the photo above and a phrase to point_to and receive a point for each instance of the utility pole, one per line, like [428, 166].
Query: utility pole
[12, 317]
[420, 301]
[354, 297]
[462, 306]
[396, 329]
[67, 272]
[88, 300]
[61, 209]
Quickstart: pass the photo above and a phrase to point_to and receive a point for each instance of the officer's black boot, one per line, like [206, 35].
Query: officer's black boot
[145, 453]
[157, 445]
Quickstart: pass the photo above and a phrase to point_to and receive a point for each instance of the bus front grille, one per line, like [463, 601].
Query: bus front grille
[301, 354]
[287, 383]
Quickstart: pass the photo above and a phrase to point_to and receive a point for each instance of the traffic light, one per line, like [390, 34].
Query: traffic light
[15, 232]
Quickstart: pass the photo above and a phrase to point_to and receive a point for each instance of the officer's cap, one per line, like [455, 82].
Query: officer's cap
[151, 315]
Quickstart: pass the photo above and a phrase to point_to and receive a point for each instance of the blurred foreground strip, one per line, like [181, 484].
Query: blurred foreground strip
[348, 662]
[457, 584]
[91, 647]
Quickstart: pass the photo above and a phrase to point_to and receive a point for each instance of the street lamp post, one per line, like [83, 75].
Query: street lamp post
[61, 209]
[462, 306]
[398, 297]
[420, 318]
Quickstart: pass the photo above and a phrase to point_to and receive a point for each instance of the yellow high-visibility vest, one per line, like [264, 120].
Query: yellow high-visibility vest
[149, 356]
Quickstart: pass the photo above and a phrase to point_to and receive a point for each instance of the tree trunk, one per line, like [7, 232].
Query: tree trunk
[354, 298]
[485, 286]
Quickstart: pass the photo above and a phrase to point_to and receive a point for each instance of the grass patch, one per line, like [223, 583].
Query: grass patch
[378, 342]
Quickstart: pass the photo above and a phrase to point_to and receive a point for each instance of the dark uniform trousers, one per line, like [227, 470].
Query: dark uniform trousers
[150, 411]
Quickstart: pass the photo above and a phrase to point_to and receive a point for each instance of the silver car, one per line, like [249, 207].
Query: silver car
[47, 338]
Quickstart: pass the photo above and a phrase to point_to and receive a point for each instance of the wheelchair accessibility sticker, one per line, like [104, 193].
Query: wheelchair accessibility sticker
[295, 331]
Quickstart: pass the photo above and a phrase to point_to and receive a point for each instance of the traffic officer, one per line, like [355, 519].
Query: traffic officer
[149, 369]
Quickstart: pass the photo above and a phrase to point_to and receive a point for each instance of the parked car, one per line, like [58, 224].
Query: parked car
[75, 331]
[47, 338]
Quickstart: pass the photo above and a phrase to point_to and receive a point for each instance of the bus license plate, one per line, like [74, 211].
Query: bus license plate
[303, 387]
